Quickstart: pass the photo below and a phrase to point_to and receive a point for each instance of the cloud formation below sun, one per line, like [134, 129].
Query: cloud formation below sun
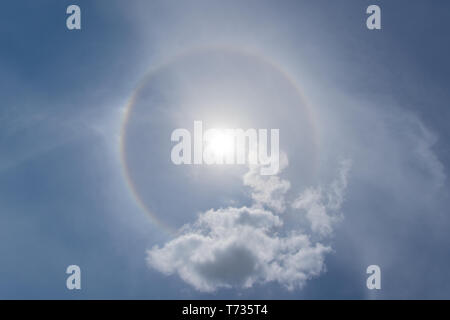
[239, 247]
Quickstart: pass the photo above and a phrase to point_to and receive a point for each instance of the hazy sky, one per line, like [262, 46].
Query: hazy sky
[363, 118]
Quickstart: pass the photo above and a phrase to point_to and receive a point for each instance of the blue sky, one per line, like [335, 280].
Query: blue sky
[379, 98]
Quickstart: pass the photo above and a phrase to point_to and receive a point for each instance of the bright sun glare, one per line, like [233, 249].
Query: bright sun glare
[221, 144]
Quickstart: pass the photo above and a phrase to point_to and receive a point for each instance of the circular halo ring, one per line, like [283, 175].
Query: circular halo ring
[152, 71]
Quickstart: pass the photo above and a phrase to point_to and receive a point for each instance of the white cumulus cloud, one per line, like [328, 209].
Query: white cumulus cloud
[322, 205]
[239, 247]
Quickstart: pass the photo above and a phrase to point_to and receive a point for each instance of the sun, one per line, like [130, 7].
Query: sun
[221, 144]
